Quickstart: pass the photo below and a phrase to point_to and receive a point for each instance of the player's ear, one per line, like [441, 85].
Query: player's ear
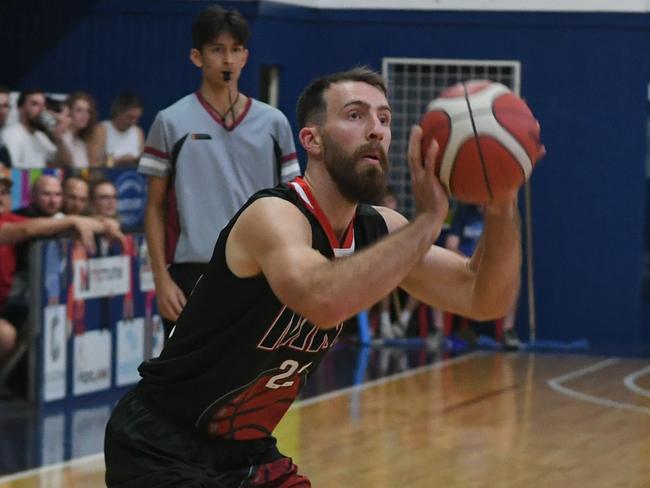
[310, 139]
[196, 57]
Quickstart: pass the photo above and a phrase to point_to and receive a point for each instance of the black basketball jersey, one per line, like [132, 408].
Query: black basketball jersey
[238, 357]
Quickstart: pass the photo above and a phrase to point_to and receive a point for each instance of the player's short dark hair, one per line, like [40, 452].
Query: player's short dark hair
[216, 20]
[5, 89]
[22, 98]
[125, 101]
[311, 106]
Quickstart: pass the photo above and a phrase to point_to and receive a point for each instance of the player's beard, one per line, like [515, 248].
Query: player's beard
[357, 182]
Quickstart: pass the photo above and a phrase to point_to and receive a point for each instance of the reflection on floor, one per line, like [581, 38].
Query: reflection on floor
[30, 439]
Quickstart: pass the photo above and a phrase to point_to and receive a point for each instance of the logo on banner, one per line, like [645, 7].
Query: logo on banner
[54, 353]
[101, 277]
[92, 362]
[131, 198]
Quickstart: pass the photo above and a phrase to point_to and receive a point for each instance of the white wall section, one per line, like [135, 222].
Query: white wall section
[629, 6]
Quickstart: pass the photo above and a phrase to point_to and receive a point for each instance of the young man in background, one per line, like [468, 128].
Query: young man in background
[205, 155]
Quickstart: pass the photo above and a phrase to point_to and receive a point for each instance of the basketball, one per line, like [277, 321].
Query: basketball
[488, 137]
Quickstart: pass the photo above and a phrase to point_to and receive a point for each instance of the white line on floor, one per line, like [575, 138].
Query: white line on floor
[555, 384]
[630, 382]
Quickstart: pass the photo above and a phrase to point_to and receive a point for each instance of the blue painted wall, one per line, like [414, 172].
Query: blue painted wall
[584, 75]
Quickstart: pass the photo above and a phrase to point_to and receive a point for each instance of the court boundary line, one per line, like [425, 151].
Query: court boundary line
[630, 382]
[555, 384]
[298, 404]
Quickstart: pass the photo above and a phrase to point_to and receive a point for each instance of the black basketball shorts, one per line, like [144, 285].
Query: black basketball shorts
[144, 449]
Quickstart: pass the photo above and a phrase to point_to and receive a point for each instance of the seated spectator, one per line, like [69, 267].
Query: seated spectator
[75, 196]
[5, 159]
[45, 199]
[16, 229]
[103, 204]
[103, 199]
[119, 141]
[83, 118]
[36, 140]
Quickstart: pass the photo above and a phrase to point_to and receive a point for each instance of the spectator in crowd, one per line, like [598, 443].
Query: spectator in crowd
[83, 118]
[103, 204]
[46, 198]
[75, 196]
[5, 159]
[103, 199]
[15, 229]
[45, 201]
[36, 141]
[463, 236]
[194, 185]
[119, 141]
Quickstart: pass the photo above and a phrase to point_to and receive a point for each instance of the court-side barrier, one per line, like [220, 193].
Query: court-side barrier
[93, 320]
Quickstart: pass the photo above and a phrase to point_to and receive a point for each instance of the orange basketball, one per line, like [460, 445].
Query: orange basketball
[488, 137]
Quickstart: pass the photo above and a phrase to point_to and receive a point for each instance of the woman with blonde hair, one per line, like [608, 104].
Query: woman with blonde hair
[83, 119]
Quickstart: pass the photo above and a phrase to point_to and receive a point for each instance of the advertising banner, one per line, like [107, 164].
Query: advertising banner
[98, 319]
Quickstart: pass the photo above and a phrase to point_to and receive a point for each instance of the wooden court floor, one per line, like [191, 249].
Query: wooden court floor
[480, 420]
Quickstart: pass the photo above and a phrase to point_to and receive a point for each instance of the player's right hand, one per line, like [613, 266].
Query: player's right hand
[170, 297]
[428, 192]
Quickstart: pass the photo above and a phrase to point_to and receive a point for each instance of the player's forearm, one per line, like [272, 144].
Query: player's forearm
[497, 263]
[338, 289]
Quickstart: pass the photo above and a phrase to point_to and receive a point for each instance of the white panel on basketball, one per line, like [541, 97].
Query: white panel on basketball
[480, 105]
[412, 85]
[487, 125]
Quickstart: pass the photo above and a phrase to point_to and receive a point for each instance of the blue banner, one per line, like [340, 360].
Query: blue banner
[98, 318]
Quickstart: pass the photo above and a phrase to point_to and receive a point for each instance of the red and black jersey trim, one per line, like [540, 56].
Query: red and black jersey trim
[301, 187]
